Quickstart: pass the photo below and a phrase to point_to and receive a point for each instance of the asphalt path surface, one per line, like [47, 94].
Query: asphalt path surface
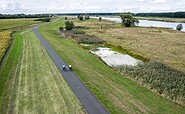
[88, 100]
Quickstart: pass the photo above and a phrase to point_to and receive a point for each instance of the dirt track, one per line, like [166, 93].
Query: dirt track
[88, 100]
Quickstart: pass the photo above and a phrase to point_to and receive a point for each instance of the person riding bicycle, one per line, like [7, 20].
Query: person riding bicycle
[70, 67]
[64, 67]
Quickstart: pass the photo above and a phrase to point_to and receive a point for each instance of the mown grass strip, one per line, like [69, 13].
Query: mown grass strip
[41, 88]
[6, 74]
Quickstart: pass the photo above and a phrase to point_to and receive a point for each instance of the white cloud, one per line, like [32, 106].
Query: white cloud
[58, 6]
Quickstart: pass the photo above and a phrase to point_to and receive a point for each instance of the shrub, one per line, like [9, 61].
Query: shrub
[87, 17]
[44, 19]
[128, 20]
[81, 17]
[69, 25]
[79, 32]
[90, 40]
[179, 27]
[61, 28]
[100, 18]
[65, 18]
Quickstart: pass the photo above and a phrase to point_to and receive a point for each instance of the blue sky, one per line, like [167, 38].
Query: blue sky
[76, 6]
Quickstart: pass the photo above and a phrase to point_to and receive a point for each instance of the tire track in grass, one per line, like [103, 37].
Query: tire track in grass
[26, 74]
[30, 85]
[6, 105]
[19, 81]
[13, 89]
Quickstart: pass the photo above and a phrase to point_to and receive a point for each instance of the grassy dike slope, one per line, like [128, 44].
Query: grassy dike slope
[35, 84]
[117, 93]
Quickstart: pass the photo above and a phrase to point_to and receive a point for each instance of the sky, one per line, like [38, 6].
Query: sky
[90, 6]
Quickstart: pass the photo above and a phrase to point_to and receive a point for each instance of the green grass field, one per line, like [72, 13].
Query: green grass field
[13, 23]
[118, 93]
[7, 26]
[34, 85]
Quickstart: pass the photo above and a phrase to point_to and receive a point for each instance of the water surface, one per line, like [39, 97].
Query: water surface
[148, 23]
[113, 58]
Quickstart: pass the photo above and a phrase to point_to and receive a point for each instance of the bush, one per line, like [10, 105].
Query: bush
[79, 32]
[44, 19]
[61, 28]
[128, 20]
[69, 25]
[87, 17]
[65, 18]
[81, 17]
[100, 18]
[179, 27]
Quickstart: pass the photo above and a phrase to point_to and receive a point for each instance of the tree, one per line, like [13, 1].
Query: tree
[69, 25]
[87, 17]
[81, 17]
[128, 20]
[100, 18]
[179, 27]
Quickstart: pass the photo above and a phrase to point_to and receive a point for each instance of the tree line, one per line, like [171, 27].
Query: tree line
[13, 16]
[168, 14]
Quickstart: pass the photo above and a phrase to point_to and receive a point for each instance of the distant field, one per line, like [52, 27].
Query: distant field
[35, 84]
[161, 45]
[5, 38]
[118, 93]
[11, 23]
[180, 20]
[7, 26]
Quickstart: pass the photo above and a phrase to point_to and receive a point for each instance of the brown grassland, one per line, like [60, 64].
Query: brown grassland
[5, 38]
[157, 44]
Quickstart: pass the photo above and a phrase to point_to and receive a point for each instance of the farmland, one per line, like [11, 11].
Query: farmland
[5, 38]
[14, 23]
[118, 93]
[7, 26]
[35, 84]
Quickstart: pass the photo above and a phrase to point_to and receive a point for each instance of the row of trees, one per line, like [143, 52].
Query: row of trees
[12, 16]
[83, 17]
[169, 14]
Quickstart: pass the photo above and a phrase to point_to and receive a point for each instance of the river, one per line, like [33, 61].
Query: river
[148, 23]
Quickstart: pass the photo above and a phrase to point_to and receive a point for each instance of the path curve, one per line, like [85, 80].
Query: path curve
[88, 100]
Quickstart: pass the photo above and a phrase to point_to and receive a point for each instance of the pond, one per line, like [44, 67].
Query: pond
[114, 59]
[148, 23]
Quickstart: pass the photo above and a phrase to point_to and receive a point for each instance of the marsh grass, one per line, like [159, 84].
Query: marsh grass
[160, 77]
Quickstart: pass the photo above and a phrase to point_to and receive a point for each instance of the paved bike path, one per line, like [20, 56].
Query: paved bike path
[88, 100]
